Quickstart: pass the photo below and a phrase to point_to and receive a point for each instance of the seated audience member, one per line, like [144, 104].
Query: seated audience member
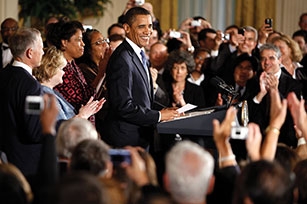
[92, 155]
[264, 182]
[197, 75]
[116, 29]
[8, 28]
[50, 74]
[287, 157]
[70, 133]
[189, 173]
[158, 56]
[95, 57]
[67, 36]
[181, 92]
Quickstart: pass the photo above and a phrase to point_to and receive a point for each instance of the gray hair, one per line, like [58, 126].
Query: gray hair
[189, 168]
[270, 46]
[71, 132]
[252, 29]
[22, 40]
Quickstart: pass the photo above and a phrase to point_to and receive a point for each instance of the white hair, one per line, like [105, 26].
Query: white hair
[71, 132]
[189, 168]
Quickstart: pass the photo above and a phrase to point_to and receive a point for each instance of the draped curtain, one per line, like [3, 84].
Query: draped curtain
[167, 12]
[253, 12]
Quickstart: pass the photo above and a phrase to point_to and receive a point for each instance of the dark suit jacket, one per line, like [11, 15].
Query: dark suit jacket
[130, 119]
[260, 113]
[20, 133]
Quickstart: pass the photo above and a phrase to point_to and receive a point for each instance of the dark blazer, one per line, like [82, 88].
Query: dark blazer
[20, 133]
[1, 60]
[130, 119]
[260, 113]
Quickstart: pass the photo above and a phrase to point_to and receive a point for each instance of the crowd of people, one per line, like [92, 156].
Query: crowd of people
[101, 94]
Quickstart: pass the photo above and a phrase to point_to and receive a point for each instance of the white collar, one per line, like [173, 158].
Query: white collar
[136, 48]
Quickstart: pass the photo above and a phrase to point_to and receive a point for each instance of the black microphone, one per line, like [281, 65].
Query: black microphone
[217, 81]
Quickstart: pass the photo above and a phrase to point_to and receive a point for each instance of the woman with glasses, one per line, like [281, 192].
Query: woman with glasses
[96, 55]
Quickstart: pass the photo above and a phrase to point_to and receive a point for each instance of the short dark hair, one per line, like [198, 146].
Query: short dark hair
[62, 31]
[113, 26]
[202, 35]
[302, 33]
[133, 12]
[180, 56]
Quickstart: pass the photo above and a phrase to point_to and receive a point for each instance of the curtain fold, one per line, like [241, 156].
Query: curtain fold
[253, 12]
[167, 12]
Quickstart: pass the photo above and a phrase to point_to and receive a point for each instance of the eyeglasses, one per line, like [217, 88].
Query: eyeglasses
[100, 42]
[6, 29]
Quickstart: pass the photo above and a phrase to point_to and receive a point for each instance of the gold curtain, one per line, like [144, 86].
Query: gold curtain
[253, 12]
[167, 13]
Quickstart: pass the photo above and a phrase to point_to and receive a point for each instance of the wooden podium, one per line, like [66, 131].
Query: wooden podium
[198, 123]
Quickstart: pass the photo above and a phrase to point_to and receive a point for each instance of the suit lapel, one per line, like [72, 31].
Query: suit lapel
[139, 66]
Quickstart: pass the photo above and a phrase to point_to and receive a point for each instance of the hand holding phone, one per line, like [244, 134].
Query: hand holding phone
[269, 21]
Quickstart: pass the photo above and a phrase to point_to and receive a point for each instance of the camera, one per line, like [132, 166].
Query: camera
[268, 21]
[119, 156]
[139, 2]
[175, 34]
[225, 36]
[34, 105]
[196, 23]
[239, 132]
[241, 31]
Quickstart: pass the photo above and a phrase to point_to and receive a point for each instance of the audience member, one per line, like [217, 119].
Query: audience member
[94, 60]
[50, 74]
[70, 133]
[210, 40]
[300, 171]
[197, 76]
[303, 21]
[189, 173]
[92, 155]
[181, 92]
[264, 182]
[67, 36]
[115, 41]
[8, 28]
[14, 187]
[291, 54]
[131, 119]
[273, 77]
[158, 56]
[20, 133]
[194, 25]
[116, 28]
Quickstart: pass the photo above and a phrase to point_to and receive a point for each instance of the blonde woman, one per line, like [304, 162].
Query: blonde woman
[50, 74]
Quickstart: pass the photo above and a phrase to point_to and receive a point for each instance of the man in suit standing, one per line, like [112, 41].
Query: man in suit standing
[8, 28]
[20, 133]
[131, 119]
[273, 77]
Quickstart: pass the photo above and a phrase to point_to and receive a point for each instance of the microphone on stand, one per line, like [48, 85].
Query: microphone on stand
[217, 81]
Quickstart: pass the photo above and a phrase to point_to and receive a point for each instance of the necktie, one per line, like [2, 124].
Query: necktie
[144, 62]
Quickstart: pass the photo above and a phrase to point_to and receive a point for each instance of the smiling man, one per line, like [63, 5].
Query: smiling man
[131, 119]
